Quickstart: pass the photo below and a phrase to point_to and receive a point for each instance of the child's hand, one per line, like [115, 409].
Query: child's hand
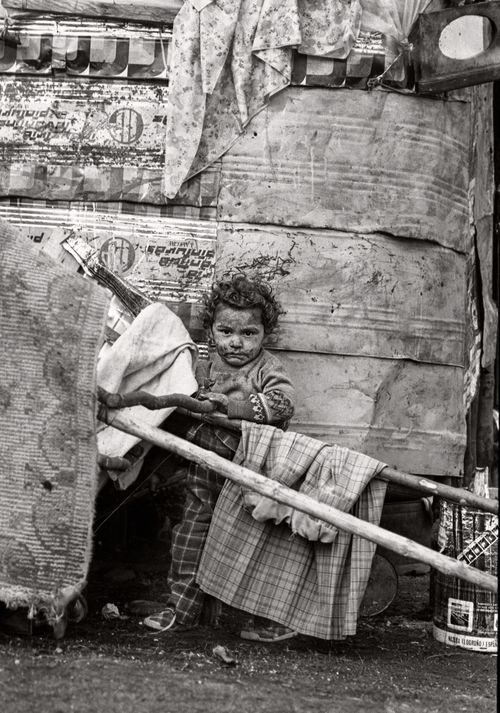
[220, 400]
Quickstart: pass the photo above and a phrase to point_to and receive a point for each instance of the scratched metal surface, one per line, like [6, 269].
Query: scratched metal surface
[406, 414]
[36, 210]
[315, 159]
[357, 161]
[347, 293]
[129, 50]
[88, 48]
[88, 140]
[170, 260]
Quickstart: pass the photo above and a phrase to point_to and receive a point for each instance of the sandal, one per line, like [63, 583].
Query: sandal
[268, 633]
[166, 621]
[161, 621]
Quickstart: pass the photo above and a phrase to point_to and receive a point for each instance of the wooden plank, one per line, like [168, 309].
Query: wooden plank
[483, 209]
[347, 293]
[304, 503]
[357, 161]
[406, 414]
[147, 11]
[439, 71]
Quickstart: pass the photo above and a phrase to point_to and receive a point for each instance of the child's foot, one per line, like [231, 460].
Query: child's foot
[166, 621]
[268, 631]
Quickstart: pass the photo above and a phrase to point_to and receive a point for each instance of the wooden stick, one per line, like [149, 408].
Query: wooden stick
[447, 492]
[304, 503]
[150, 401]
[147, 11]
[416, 482]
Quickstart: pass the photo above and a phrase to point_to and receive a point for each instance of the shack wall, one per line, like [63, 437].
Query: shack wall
[354, 204]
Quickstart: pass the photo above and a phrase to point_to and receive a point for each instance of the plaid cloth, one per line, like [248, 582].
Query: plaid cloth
[188, 537]
[265, 569]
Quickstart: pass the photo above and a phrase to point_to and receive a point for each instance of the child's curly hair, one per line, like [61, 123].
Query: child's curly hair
[243, 292]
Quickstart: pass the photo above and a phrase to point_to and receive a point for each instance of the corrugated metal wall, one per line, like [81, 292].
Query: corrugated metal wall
[354, 204]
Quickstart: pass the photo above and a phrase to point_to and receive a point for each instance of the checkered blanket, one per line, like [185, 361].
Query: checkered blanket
[266, 569]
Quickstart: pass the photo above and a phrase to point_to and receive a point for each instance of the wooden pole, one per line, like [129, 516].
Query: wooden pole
[146, 11]
[424, 485]
[447, 492]
[304, 503]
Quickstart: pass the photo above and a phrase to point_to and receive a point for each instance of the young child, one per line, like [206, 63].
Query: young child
[245, 382]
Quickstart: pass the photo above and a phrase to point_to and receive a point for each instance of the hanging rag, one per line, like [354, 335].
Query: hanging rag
[156, 354]
[228, 58]
[394, 20]
[301, 573]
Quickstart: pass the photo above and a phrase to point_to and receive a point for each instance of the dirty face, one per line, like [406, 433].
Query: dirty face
[238, 334]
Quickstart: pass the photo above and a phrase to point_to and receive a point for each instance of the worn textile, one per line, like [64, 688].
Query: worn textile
[188, 537]
[204, 485]
[312, 587]
[52, 326]
[391, 17]
[155, 354]
[259, 391]
[228, 58]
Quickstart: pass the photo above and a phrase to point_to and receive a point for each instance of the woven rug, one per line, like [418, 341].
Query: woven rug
[51, 326]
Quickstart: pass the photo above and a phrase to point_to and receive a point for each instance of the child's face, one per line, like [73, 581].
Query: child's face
[238, 334]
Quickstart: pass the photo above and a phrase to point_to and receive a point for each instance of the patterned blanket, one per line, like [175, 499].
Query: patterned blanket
[52, 325]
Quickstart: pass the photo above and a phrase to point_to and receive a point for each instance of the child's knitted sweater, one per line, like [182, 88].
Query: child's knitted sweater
[259, 391]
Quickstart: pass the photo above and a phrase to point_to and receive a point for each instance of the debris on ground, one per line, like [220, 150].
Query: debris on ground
[223, 654]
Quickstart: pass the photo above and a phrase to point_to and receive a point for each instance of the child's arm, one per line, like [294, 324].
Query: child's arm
[272, 402]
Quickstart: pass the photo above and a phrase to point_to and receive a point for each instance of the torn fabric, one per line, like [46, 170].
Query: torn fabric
[394, 19]
[228, 58]
[155, 354]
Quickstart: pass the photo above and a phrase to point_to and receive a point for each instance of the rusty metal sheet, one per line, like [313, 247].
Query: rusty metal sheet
[91, 47]
[355, 161]
[407, 415]
[365, 61]
[31, 210]
[152, 10]
[169, 260]
[87, 47]
[88, 140]
[347, 293]
[111, 48]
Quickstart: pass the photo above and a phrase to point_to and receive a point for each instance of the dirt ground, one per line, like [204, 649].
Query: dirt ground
[392, 665]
